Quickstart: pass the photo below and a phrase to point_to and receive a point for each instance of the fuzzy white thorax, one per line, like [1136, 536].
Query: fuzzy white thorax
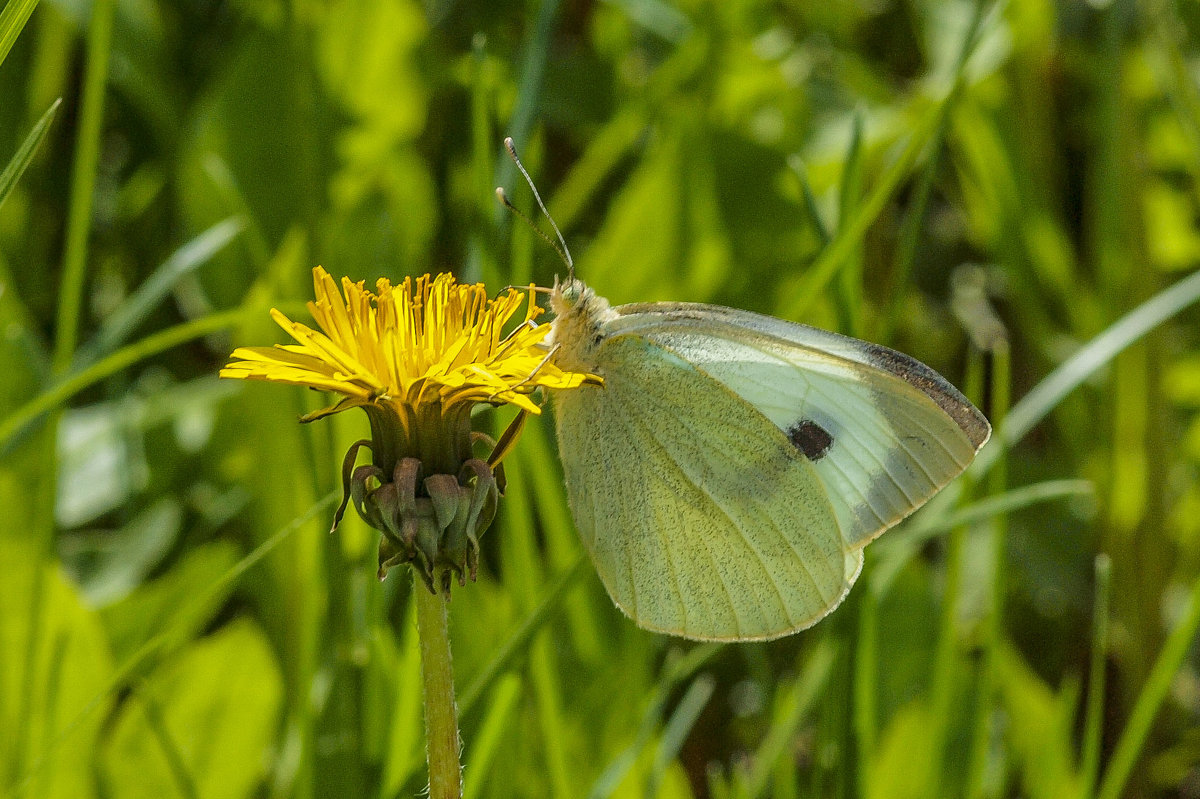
[580, 315]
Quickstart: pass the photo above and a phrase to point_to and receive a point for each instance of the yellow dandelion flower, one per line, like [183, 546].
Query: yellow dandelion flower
[435, 341]
[417, 357]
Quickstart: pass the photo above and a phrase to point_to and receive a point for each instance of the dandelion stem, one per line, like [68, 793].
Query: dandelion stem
[441, 714]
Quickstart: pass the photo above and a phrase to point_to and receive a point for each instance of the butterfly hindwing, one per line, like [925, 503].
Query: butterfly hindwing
[703, 519]
[881, 430]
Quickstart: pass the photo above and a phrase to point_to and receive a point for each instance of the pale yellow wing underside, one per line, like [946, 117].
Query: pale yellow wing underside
[703, 520]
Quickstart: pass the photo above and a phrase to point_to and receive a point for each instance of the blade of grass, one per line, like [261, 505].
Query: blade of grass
[604, 152]
[53, 687]
[529, 92]
[561, 540]
[223, 180]
[1045, 396]
[83, 183]
[948, 668]
[678, 727]
[483, 243]
[20, 161]
[518, 642]
[993, 627]
[614, 773]
[1000, 504]
[801, 697]
[185, 260]
[490, 739]
[796, 164]
[866, 684]
[910, 228]
[1150, 699]
[1093, 723]
[12, 21]
[523, 566]
[62, 391]
[10, 26]
[850, 233]
[946, 663]
[177, 767]
[809, 287]
[848, 288]
[892, 553]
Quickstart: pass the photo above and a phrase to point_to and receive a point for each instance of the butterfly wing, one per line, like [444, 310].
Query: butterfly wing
[882, 431]
[703, 520]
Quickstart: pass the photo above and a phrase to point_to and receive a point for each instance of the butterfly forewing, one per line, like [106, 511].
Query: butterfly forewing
[882, 431]
[703, 519]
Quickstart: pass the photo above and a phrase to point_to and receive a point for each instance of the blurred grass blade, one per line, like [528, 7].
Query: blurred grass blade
[218, 171]
[985, 774]
[1151, 698]
[910, 228]
[83, 183]
[999, 504]
[529, 93]
[1037, 404]
[183, 781]
[851, 232]
[866, 687]
[12, 20]
[16, 167]
[122, 358]
[604, 153]
[816, 277]
[891, 554]
[678, 726]
[518, 642]
[848, 288]
[490, 740]
[192, 255]
[662, 19]
[801, 696]
[1093, 725]
[615, 772]
[796, 164]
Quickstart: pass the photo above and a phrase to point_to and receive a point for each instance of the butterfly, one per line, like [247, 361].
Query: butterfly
[731, 468]
[729, 472]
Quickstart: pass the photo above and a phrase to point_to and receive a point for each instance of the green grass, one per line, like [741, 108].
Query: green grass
[1008, 192]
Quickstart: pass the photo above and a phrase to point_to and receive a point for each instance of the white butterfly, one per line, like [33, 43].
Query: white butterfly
[728, 473]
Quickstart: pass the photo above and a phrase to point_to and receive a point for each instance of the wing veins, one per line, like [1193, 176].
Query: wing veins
[758, 555]
[737, 621]
[667, 550]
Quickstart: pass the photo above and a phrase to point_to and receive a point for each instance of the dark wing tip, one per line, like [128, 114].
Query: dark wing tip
[969, 418]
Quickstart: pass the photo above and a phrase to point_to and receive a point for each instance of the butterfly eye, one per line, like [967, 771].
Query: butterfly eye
[571, 292]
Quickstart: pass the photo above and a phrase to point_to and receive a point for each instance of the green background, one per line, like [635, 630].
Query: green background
[1008, 192]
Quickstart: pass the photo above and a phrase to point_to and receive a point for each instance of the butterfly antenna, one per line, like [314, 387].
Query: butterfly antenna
[561, 245]
[507, 203]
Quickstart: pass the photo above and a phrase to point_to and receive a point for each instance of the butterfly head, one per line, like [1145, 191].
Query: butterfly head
[568, 295]
[579, 318]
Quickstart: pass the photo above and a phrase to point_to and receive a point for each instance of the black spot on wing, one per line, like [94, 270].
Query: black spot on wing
[810, 438]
